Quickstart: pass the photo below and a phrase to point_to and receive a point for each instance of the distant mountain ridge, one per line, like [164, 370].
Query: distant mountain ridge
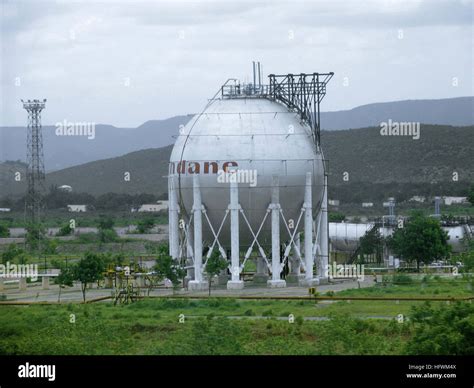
[66, 151]
[448, 111]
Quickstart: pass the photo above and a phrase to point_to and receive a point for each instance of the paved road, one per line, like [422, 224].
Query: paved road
[36, 294]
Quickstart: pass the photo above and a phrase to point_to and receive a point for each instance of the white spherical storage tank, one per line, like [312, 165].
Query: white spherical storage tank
[260, 139]
[247, 176]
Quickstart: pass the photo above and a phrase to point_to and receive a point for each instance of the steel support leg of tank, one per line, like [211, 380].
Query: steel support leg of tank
[235, 283]
[173, 220]
[45, 283]
[197, 284]
[276, 281]
[189, 256]
[324, 235]
[309, 279]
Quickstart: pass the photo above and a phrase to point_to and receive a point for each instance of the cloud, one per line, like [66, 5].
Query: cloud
[125, 62]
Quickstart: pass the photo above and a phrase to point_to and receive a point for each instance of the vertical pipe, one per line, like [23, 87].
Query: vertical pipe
[275, 229]
[234, 230]
[308, 228]
[197, 209]
[259, 77]
[253, 64]
[324, 231]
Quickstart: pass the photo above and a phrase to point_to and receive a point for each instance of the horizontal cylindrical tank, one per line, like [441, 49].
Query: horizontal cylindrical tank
[260, 139]
[344, 236]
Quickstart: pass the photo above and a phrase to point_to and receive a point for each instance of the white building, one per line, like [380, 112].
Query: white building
[77, 208]
[367, 204]
[5, 209]
[454, 200]
[65, 188]
[154, 207]
[417, 198]
[333, 202]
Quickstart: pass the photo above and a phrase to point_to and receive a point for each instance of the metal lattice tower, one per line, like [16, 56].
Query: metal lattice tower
[35, 174]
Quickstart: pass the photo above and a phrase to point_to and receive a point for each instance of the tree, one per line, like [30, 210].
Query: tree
[88, 270]
[371, 243]
[470, 195]
[65, 277]
[145, 225]
[466, 258]
[107, 232]
[35, 234]
[12, 252]
[105, 222]
[215, 264]
[107, 235]
[4, 231]
[421, 240]
[65, 230]
[167, 268]
[336, 217]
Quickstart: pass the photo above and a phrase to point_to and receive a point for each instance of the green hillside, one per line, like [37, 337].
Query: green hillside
[370, 157]
[378, 166]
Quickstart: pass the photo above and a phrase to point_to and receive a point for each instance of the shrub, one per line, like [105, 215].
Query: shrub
[402, 278]
[448, 330]
[4, 231]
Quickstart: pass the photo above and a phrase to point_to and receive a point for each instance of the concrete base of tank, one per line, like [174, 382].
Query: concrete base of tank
[195, 285]
[235, 285]
[260, 279]
[309, 282]
[22, 284]
[294, 279]
[276, 283]
[323, 280]
[45, 283]
[222, 279]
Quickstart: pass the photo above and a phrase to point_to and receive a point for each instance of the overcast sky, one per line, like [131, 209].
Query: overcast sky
[126, 62]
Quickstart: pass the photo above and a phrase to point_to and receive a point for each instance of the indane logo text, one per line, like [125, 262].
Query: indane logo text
[67, 128]
[191, 167]
[395, 128]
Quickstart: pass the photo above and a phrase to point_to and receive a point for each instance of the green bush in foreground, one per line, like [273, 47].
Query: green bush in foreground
[447, 330]
[211, 327]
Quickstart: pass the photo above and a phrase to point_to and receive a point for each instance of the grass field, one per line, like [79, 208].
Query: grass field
[230, 326]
